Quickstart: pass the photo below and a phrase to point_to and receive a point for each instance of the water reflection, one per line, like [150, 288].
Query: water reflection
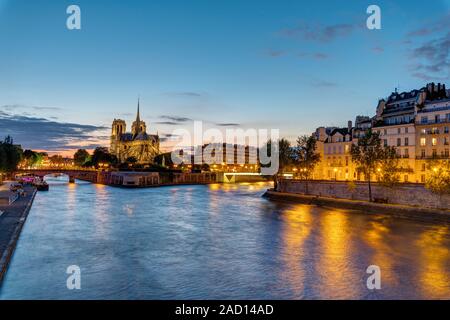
[335, 263]
[221, 241]
[296, 229]
[435, 262]
[377, 236]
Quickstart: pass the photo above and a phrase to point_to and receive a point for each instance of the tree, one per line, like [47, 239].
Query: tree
[81, 157]
[102, 155]
[306, 156]
[56, 160]
[32, 158]
[285, 156]
[10, 154]
[388, 171]
[439, 180]
[367, 155]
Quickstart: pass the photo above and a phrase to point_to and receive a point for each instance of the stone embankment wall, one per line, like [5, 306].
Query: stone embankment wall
[404, 194]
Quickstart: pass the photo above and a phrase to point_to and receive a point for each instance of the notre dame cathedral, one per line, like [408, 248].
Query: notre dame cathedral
[137, 144]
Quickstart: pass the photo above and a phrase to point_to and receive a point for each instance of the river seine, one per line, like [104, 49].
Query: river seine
[218, 242]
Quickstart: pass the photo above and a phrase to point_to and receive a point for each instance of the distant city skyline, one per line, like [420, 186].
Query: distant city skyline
[290, 65]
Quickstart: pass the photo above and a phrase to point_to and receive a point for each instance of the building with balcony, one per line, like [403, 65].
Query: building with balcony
[395, 123]
[415, 123]
[433, 131]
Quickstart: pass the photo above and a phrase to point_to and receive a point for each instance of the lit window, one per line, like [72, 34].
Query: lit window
[423, 142]
[434, 141]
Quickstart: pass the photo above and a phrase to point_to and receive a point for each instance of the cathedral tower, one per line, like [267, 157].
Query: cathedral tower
[138, 125]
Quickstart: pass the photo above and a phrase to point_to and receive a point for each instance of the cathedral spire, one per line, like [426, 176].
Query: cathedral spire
[138, 118]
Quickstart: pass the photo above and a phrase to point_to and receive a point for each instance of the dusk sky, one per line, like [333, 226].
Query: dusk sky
[291, 65]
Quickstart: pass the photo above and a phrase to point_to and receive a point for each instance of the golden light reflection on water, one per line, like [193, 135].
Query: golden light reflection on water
[101, 209]
[434, 274]
[376, 236]
[337, 277]
[297, 228]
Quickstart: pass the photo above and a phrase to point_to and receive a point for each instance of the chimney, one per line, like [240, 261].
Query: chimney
[321, 134]
[349, 125]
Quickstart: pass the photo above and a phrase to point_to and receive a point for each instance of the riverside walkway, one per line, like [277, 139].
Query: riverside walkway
[11, 222]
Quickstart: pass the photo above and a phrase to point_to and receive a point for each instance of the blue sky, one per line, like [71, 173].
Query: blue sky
[292, 65]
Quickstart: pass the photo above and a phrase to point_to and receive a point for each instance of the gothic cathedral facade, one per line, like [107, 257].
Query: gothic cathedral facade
[136, 144]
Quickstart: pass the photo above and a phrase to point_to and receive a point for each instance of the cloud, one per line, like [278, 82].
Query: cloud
[320, 33]
[227, 124]
[44, 134]
[276, 53]
[12, 107]
[169, 137]
[432, 58]
[320, 56]
[323, 83]
[168, 123]
[172, 120]
[442, 24]
[185, 94]
[378, 49]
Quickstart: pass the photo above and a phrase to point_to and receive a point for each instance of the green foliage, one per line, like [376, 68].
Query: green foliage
[371, 157]
[102, 155]
[285, 154]
[306, 156]
[10, 155]
[81, 157]
[388, 172]
[32, 158]
[439, 180]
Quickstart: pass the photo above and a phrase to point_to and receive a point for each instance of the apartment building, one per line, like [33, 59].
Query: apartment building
[416, 123]
[334, 145]
[394, 122]
[433, 131]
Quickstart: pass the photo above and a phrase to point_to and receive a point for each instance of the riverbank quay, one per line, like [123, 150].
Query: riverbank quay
[393, 210]
[11, 223]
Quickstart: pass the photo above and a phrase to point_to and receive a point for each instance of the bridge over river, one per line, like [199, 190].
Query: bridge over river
[80, 174]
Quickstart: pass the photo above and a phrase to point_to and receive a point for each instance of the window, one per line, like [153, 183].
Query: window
[399, 130]
[406, 129]
[399, 142]
[347, 148]
[385, 142]
[406, 153]
[446, 141]
[424, 120]
[422, 178]
[406, 141]
[405, 178]
[434, 153]
[423, 131]
[436, 118]
[423, 142]
[434, 141]
[445, 129]
[346, 161]
[446, 153]
[385, 131]
[422, 153]
[423, 166]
